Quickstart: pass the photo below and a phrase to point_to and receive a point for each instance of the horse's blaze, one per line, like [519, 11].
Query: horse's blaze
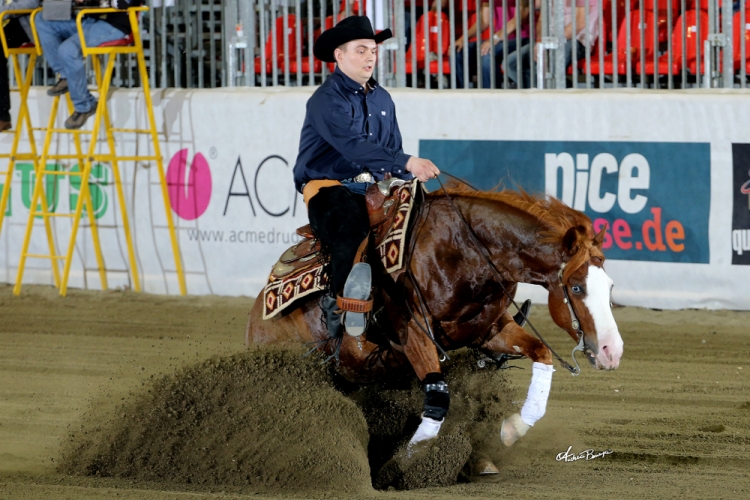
[597, 301]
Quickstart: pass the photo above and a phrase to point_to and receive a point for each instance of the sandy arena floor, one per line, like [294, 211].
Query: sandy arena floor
[676, 415]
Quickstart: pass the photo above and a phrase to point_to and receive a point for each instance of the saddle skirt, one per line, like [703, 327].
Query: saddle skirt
[300, 269]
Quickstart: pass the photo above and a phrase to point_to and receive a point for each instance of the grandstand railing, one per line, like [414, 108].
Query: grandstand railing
[657, 44]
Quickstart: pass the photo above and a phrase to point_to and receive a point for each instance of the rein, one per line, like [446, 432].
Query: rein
[485, 254]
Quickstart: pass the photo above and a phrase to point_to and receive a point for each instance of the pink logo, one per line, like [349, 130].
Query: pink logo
[189, 197]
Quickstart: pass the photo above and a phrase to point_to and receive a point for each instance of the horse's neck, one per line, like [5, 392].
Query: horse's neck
[512, 239]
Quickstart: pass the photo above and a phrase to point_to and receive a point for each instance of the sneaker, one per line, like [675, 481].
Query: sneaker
[357, 286]
[59, 88]
[77, 119]
[5, 125]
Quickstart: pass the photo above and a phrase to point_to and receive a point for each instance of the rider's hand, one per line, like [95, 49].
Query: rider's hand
[422, 168]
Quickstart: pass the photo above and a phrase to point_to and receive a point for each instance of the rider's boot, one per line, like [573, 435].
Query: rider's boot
[357, 287]
[523, 314]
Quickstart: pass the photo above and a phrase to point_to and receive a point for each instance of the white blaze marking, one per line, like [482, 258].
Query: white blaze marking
[597, 300]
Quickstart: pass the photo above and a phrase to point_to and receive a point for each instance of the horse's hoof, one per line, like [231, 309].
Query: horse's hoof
[485, 467]
[513, 429]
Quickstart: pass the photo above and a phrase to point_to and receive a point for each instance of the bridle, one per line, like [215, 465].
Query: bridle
[575, 323]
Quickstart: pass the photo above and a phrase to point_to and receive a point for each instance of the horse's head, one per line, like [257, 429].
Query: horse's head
[579, 298]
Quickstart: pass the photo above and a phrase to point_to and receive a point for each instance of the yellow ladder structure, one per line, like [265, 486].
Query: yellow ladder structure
[23, 122]
[131, 45]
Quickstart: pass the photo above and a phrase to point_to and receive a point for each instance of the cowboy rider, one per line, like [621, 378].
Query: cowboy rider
[350, 139]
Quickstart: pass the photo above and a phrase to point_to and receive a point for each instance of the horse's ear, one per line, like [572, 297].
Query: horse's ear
[570, 240]
[599, 238]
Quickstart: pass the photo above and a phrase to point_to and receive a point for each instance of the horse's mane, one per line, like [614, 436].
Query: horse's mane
[555, 217]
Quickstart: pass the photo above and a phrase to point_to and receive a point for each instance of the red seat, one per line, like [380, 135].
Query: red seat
[737, 39]
[691, 23]
[291, 37]
[122, 42]
[703, 4]
[305, 66]
[353, 8]
[27, 45]
[438, 48]
[622, 49]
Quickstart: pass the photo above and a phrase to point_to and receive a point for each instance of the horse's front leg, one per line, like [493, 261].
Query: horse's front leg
[510, 338]
[424, 358]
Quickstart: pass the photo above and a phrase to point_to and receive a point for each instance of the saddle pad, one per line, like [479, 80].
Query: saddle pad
[391, 249]
[281, 292]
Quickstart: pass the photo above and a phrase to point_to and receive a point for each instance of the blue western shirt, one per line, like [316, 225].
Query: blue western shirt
[347, 132]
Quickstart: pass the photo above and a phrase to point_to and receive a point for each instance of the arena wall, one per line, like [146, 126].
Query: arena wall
[668, 173]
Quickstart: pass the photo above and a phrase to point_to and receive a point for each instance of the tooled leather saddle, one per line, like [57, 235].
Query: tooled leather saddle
[300, 269]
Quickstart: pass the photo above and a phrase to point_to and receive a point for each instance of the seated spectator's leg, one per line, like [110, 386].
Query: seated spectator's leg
[51, 35]
[528, 65]
[471, 50]
[499, 67]
[71, 59]
[510, 66]
[4, 93]
[487, 64]
[15, 37]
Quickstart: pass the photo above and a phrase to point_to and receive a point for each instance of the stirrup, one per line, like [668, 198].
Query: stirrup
[356, 300]
[523, 313]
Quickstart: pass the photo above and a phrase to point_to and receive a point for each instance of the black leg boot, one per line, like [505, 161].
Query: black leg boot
[523, 314]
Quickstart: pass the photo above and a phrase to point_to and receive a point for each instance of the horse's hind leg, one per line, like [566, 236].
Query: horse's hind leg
[512, 339]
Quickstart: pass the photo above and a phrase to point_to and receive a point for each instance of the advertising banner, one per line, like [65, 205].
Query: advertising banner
[741, 204]
[653, 198]
[667, 173]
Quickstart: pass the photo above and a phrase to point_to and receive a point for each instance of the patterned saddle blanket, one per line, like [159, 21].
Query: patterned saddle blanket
[300, 271]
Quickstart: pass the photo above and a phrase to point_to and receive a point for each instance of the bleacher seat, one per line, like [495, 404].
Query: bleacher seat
[622, 50]
[438, 47]
[291, 37]
[737, 40]
[691, 21]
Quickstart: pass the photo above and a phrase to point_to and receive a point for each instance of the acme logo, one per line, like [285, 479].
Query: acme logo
[189, 189]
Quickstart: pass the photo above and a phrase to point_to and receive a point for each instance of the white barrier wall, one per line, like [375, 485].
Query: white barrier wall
[667, 172]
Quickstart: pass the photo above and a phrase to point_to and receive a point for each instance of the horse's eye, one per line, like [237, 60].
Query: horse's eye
[576, 289]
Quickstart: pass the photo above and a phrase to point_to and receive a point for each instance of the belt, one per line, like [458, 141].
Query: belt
[363, 177]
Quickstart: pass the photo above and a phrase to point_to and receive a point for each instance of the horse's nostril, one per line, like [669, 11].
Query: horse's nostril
[606, 352]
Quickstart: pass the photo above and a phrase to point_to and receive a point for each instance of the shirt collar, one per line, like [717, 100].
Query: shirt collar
[350, 84]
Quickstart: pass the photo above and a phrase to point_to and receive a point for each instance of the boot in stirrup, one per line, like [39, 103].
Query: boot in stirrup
[357, 288]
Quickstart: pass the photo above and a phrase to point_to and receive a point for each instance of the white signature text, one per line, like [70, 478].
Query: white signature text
[589, 454]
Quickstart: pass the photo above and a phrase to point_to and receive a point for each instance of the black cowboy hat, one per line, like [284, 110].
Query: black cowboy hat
[351, 28]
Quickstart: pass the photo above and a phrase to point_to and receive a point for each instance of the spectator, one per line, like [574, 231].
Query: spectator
[585, 37]
[496, 43]
[17, 32]
[62, 49]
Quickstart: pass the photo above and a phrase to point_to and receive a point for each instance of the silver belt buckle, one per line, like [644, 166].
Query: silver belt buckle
[364, 177]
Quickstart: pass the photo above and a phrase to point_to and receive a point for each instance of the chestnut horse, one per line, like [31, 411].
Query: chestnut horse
[468, 251]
